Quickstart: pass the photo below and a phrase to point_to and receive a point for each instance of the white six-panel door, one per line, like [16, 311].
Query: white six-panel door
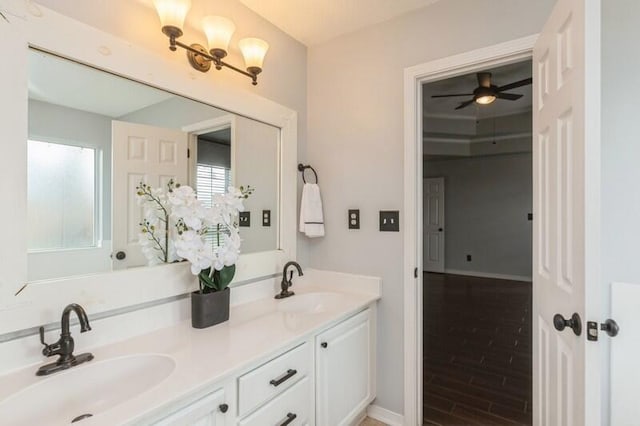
[433, 210]
[562, 185]
[141, 153]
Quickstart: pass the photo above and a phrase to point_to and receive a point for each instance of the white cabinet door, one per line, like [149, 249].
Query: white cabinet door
[343, 371]
[210, 410]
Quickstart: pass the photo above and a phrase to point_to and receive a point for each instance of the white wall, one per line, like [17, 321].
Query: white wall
[620, 152]
[355, 107]
[487, 200]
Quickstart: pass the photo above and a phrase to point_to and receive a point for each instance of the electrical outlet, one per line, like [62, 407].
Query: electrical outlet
[390, 221]
[266, 217]
[354, 219]
[468, 258]
[245, 219]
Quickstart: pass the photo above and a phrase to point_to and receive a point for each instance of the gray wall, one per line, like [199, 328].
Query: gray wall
[55, 123]
[620, 153]
[486, 204]
[355, 142]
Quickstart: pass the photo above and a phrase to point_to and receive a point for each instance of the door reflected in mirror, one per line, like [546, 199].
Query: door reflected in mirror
[94, 136]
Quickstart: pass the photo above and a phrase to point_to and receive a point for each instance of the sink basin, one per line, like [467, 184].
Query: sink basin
[310, 303]
[87, 389]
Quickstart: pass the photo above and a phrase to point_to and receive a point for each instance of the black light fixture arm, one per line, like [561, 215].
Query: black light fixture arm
[197, 50]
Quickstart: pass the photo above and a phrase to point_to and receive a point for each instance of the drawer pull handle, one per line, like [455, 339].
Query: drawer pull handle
[289, 374]
[290, 417]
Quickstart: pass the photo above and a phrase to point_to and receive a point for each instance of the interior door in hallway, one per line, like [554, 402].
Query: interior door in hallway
[433, 196]
[566, 113]
[147, 154]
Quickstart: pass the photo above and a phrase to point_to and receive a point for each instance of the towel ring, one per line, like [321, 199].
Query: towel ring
[302, 168]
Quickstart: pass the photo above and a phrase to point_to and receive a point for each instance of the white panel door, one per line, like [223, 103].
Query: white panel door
[433, 211]
[140, 154]
[566, 372]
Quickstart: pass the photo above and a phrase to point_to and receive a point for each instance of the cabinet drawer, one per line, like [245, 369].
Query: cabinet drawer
[270, 379]
[291, 408]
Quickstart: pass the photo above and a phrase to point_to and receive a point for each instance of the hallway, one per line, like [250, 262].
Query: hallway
[477, 351]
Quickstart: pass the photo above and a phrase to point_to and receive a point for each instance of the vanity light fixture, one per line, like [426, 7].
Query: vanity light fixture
[218, 30]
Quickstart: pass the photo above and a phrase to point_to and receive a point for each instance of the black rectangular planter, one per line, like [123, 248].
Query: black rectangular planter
[209, 309]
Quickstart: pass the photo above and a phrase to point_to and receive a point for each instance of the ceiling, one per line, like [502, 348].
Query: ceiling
[467, 83]
[315, 21]
[62, 82]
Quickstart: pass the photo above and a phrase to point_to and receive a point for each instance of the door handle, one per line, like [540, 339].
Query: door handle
[121, 255]
[574, 323]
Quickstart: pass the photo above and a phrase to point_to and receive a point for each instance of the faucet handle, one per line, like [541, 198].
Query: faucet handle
[48, 350]
[42, 336]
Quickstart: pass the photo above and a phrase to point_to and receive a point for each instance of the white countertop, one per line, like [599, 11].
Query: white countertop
[254, 332]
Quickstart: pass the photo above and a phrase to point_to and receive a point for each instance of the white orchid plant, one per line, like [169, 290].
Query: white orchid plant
[177, 226]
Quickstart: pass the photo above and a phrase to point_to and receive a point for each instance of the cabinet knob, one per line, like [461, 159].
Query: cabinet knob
[324, 344]
[223, 408]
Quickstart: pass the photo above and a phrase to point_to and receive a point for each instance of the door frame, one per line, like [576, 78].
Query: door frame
[500, 54]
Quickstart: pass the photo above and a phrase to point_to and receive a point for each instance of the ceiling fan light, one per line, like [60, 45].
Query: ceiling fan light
[485, 99]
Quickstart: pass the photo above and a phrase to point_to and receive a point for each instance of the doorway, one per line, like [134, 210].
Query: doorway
[477, 269]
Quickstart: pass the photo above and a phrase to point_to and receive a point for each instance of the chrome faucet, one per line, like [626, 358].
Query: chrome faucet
[286, 283]
[64, 347]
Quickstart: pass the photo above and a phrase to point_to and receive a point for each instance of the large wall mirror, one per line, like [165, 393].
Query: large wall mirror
[94, 136]
[87, 116]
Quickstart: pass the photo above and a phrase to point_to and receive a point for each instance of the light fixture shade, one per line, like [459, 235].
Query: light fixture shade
[172, 12]
[219, 31]
[485, 100]
[254, 51]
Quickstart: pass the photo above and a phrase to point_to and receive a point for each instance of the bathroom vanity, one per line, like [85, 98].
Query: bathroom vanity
[305, 360]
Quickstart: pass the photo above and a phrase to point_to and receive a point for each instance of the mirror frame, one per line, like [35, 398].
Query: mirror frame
[22, 305]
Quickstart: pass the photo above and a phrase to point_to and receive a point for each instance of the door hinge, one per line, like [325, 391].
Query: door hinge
[609, 326]
[188, 153]
[415, 273]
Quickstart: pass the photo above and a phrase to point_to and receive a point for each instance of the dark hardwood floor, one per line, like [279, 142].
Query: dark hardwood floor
[477, 351]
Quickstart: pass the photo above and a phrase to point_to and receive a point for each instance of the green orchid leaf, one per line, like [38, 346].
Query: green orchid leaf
[225, 276]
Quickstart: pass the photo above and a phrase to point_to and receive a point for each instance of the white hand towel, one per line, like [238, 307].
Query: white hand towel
[311, 218]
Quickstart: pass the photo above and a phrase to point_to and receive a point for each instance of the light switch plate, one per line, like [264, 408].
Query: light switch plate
[389, 221]
[354, 219]
[245, 219]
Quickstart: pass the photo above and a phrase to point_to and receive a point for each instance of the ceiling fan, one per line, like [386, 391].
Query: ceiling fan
[486, 92]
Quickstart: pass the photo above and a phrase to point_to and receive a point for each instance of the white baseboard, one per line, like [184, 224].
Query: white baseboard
[488, 275]
[385, 416]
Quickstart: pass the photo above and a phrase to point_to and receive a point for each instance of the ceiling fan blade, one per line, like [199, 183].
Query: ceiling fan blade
[447, 96]
[484, 79]
[515, 84]
[508, 96]
[465, 104]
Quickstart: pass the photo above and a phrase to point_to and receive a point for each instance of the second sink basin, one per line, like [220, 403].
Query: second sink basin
[310, 303]
[86, 390]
